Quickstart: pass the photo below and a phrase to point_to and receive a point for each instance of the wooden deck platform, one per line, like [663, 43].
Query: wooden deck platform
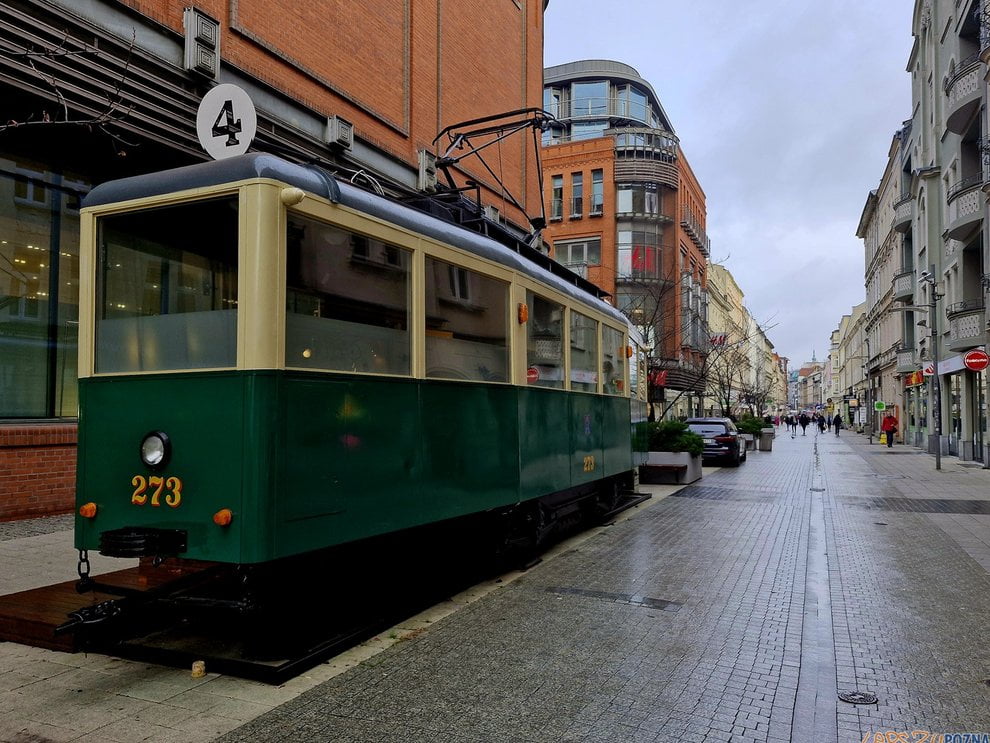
[30, 617]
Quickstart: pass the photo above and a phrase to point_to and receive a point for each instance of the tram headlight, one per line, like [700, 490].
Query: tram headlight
[156, 449]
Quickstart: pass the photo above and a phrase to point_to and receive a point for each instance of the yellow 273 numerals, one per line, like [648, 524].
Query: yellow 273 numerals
[589, 464]
[170, 486]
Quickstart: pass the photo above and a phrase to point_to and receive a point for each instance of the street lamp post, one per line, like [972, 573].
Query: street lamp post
[869, 391]
[928, 277]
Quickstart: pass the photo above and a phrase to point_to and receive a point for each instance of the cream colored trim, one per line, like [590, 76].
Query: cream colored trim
[518, 361]
[417, 315]
[87, 292]
[566, 333]
[260, 277]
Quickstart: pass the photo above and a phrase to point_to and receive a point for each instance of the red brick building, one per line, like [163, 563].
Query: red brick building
[626, 211]
[361, 88]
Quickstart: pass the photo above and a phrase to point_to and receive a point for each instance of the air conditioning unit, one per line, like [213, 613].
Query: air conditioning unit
[201, 53]
[340, 133]
[427, 172]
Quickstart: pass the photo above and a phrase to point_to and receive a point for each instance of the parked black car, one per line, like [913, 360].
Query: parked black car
[722, 439]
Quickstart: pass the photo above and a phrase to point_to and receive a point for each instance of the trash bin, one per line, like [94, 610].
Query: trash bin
[766, 439]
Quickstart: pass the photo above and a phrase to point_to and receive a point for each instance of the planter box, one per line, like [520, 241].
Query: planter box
[670, 468]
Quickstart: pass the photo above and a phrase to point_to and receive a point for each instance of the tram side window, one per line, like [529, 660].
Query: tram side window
[544, 342]
[465, 324]
[347, 301]
[613, 362]
[167, 288]
[584, 353]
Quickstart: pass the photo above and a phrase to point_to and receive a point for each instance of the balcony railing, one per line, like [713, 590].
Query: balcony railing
[903, 213]
[556, 208]
[695, 231]
[967, 329]
[577, 206]
[965, 206]
[906, 361]
[904, 285]
[967, 305]
[640, 263]
[961, 186]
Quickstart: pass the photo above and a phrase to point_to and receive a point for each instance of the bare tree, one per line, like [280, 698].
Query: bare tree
[44, 63]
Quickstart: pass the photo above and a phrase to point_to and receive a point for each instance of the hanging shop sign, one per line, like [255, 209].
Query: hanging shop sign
[914, 379]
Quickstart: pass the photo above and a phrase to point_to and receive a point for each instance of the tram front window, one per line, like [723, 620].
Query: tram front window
[166, 288]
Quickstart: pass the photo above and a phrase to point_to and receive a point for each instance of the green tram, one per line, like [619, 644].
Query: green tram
[273, 362]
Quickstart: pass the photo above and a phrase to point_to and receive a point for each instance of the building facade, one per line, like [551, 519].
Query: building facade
[103, 89]
[941, 214]
[884, 324]
[626, 211]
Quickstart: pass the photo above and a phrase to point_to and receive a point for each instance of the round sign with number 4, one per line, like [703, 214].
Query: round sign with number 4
[226, 121]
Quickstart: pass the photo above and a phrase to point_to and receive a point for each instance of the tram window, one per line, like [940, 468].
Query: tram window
[347, 301]
[544, 342]
[613, 362]
[167, 288]
[584, 353]
[465, 324]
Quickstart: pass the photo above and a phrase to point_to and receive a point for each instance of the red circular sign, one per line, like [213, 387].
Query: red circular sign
[976, 360]
[532, 375]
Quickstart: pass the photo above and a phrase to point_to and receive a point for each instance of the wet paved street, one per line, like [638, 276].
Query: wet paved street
[734, 609]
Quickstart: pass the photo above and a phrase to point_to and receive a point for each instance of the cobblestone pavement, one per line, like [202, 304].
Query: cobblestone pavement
[734, 609]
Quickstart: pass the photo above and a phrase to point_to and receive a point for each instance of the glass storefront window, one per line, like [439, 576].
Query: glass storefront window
[166, 288]
[544, 342]
[465, 324]
[39, 292]
[584, 353]
[347, 301]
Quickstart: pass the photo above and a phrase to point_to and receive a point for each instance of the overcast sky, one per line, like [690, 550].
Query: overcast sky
[785, 110]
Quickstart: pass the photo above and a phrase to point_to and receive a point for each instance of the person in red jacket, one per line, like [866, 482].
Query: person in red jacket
[889, 427]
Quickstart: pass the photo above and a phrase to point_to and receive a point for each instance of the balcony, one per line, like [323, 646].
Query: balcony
[964, 93]
[967, 325]
[965, 207]
[904, 285]
[640, 263]
[906, 362]
[695, 231]
[904, 213]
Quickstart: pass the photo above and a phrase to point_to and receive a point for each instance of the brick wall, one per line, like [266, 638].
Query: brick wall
[37, 469]
[399, 71]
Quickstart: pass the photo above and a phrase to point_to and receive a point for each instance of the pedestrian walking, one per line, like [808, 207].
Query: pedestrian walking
[821, 424]
[889, 426]
[804, 420]
[837, 423]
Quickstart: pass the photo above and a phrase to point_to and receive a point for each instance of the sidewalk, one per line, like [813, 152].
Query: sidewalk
[734, 609]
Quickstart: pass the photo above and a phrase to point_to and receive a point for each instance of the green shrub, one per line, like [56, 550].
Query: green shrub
[750, 424]
[674, 436]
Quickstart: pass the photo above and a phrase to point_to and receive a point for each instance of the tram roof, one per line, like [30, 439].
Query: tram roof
[315, 180]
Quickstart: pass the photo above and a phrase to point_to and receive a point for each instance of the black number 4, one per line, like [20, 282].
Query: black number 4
[226, 124]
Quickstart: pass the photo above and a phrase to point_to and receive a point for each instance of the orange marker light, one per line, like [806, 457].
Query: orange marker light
[629, 352]
[87, 510]
[523, 313]
[223, 517]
